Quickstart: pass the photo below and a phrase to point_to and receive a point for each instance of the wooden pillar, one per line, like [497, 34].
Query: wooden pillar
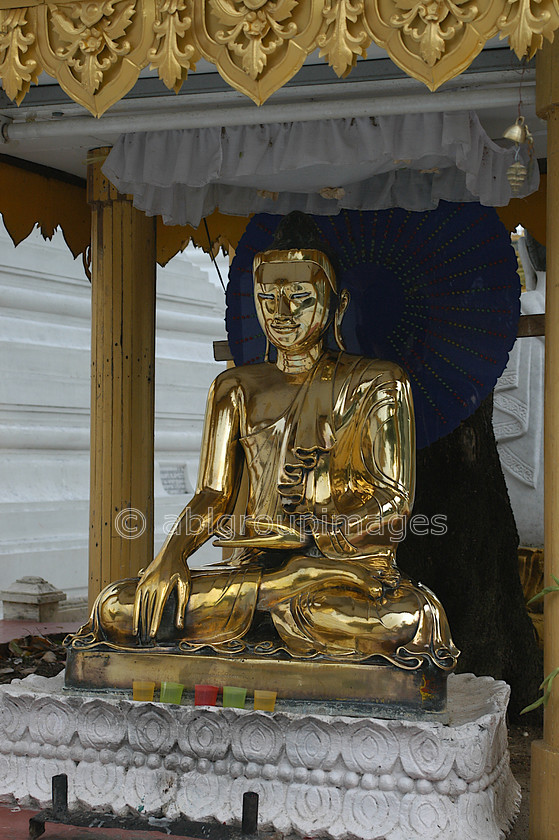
[544, 789]
[122, 382]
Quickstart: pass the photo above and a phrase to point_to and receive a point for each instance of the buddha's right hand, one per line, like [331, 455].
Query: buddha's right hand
[168, 571]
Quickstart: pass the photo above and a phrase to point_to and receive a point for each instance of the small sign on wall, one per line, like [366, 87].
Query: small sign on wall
[174, 478]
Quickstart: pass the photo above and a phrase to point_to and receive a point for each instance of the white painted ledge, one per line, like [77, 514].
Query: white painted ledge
[333, 776]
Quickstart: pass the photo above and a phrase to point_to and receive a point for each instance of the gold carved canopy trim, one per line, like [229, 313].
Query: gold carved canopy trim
[60, 201]
[95, 50]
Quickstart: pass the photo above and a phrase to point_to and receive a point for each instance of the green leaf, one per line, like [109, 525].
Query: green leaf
[546, 591]
[548, 685]
[533, 706]
[549, 679]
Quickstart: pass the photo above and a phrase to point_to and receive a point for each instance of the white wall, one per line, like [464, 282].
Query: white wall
[518, 415]
[45, 310]
[190, 317]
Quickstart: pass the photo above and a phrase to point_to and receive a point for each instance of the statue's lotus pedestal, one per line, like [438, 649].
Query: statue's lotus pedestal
[331, 776]
[381, 689]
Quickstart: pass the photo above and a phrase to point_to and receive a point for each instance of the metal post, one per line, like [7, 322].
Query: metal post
[60, 796]
[250, 813]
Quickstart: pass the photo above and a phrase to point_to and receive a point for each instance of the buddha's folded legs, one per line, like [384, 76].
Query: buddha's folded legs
[220, 608]
[349, 624]
[340, 609]
[112, 614]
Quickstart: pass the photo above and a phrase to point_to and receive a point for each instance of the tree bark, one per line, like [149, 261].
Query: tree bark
[473, 567]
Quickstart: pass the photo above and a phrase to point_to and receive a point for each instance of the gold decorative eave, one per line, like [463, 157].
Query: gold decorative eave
[60, 201]
[96, 49]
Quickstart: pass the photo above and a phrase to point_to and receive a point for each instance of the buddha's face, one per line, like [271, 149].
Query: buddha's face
[292, 303]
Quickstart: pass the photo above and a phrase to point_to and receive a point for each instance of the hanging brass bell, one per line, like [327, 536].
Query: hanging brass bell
[516, 132]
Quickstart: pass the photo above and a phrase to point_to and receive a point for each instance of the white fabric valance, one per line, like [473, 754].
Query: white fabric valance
[364, 163]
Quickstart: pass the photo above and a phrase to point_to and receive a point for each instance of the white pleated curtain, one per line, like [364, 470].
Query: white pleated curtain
[364, 163]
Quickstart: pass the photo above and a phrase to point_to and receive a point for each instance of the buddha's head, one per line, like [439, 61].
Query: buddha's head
[295, 286]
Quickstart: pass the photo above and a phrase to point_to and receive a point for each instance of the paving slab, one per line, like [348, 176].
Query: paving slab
[14, 825]
[15, 629]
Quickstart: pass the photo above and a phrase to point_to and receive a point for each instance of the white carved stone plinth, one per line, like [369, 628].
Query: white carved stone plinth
[32, 599]
[332, 776]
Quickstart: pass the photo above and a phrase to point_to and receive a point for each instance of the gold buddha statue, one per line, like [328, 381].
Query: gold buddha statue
[327, 441]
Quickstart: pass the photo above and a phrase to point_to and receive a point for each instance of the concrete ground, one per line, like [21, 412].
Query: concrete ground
[16, 629]
[14, 825]
[520, 741]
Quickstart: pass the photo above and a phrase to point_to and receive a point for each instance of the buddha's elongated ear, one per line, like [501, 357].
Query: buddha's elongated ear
[343, 302]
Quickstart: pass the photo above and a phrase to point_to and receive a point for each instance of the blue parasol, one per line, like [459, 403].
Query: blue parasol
[437, 292]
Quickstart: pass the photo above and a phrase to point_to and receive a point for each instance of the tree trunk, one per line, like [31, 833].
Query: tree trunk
[473, 567]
